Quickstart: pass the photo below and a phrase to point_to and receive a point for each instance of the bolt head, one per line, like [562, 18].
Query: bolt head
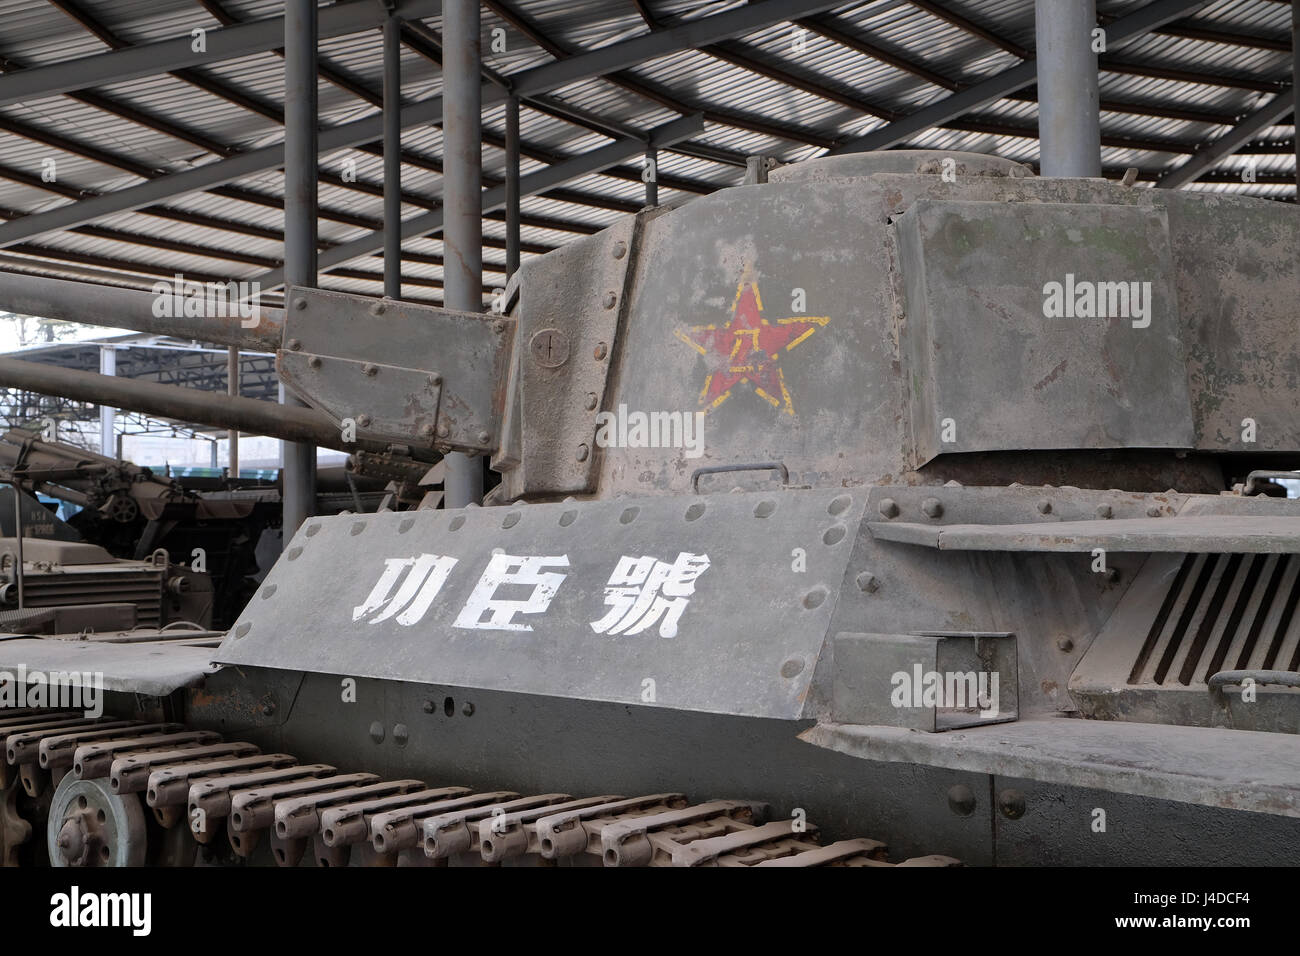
[889, 507]
[868, 582]
[932, 507]
[1044, 507]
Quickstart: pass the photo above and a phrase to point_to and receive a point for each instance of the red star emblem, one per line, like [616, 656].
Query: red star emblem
[748, 349]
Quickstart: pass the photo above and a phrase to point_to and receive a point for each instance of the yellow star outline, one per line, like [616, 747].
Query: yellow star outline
[747, 349]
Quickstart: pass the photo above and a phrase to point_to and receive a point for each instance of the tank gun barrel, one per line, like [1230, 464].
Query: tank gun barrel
[214, 409]
[167, 310]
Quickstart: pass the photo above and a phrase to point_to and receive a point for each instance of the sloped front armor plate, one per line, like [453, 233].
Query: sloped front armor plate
[747, 639]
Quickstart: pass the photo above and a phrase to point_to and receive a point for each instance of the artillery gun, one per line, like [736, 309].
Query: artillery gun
[905, 494]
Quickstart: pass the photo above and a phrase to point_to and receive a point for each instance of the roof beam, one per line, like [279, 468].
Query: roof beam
[549, 76]
[492, 199]
[221, 43]
[1009, 81]
[1272, 113]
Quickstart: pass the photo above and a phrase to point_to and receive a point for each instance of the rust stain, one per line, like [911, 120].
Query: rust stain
[1051, 376]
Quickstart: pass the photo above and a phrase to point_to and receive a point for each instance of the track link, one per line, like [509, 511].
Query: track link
[103, 770]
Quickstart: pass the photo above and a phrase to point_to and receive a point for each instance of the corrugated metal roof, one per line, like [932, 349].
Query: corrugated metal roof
[1194, 87]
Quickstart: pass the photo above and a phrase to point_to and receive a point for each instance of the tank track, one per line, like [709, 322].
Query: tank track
[99, 776]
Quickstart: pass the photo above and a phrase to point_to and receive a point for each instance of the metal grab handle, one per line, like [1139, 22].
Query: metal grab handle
[1229, 678]
[1257, 478]
[758, 466]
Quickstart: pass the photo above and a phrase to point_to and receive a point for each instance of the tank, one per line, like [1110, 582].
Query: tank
[903, 508]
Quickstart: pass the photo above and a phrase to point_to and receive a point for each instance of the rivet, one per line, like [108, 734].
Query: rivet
[378, 309]
[628, 515]
[370, 368]
[268, 708]
[467, 709]
[961, 800]
[300, 304]
[429, 707]
[1153, 511]
[268, 591]
[484, 436]
[313, 361]
[1064, 644]
[498, 327]
[867, 582]
[1105, 511]
[295, 345]
[1012, 804]
[834, 535]
[294, 553]
[435, 381]
[610, 300]
[510, 520]
[694, 511]
[568, 518]
[456, 523]
[426, 431]
[839, 504]
[363, 420]
[591, 401]
[443, 431]
[793, 667]
[1044, 507]
[764, 508]
[889, 507]
[581, 453]
[620, 250]
[401, 734]
[377, 732]
[406, 525]
[1111, 575]
[242, 630]
[814, 598]
[601, 351]
[932, 507]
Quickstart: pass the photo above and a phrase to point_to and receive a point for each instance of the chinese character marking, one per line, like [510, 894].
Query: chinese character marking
[506, 569]
[643, 590]
[426, 575]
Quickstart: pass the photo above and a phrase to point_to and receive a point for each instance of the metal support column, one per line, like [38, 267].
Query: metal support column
[232, 388]
[299, 476]
[462, 234]
[512, 185]
[1069, 126]
[1295, 88]
[393, 158]
[107, 414]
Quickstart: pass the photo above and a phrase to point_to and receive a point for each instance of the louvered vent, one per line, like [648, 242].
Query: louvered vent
[141, 588]
[1223, 612]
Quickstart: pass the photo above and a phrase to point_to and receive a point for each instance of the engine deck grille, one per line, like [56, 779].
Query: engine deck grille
[1223, 612]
